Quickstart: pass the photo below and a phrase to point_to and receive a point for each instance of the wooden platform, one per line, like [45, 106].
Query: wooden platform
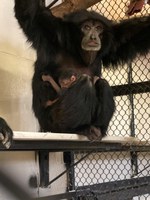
[64, 141]
[40, 136]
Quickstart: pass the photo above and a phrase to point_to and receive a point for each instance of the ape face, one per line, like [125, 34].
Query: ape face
[67, 82]
[92, 31]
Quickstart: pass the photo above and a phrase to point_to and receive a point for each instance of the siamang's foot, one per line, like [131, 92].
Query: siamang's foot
[94, 134]
[6, 133]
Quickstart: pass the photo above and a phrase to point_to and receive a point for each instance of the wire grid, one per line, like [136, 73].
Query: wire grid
[121, 121]
[110, 166]
[113, 166]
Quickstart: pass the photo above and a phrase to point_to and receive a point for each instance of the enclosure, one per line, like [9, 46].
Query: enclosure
[108, 170]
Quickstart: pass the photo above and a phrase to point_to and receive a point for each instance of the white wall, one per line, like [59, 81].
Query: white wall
[16, 69]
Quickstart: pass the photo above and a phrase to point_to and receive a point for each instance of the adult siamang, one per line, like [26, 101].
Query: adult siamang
[5, 133]
[81, 42]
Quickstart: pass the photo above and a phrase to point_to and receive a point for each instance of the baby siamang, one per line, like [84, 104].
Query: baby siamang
[5, 133]
[81, 41]
[67, 80]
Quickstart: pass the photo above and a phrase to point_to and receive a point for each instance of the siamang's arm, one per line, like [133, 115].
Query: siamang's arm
[47, 33]
[131, 37]
[38, 24]
[5, 133]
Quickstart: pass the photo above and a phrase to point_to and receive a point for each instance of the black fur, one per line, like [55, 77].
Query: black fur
[6, 132]
[58, 45]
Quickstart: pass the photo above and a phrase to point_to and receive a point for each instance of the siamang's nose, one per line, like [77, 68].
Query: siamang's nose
[93, 37]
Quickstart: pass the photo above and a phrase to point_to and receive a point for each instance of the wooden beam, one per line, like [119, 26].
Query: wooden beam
[72, 5]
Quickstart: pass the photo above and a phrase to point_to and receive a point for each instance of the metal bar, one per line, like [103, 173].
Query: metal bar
[44, 167]
[133, 154]
[53, 146]
[69, 161]
[133, 88]
[131, 100]
[134, 163]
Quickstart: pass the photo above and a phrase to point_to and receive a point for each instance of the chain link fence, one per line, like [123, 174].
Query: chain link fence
[131, 118]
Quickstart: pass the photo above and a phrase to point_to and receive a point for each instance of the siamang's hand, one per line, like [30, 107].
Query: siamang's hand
[6, 133]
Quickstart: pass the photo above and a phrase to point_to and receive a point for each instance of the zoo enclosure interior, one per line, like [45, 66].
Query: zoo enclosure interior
[131, 88]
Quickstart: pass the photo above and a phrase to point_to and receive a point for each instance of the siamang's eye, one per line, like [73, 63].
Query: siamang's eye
[86, 27]
[99, 28]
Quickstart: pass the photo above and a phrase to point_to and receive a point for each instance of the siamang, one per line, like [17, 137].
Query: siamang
[76, 92]
[6, 133]
[81, 41]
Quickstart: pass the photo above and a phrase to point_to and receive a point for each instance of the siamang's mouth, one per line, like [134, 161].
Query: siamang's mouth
[92, 44]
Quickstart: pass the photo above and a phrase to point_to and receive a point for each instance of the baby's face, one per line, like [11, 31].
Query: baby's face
[66, 83]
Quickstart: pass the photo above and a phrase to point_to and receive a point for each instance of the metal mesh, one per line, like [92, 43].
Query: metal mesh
[108, 167]
[101, 167]
[131, 118]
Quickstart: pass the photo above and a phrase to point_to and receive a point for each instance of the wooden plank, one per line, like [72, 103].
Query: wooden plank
[48, 136]
[68, 6]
